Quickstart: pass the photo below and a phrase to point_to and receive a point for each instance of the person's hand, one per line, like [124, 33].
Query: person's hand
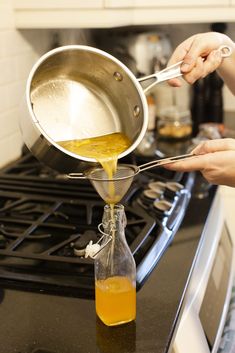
[200, 56]
[214, 158]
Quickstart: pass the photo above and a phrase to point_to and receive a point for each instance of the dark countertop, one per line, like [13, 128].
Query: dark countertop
[45, 323]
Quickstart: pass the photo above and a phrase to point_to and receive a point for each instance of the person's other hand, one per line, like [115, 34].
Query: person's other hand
[200, 56]
[214, 158]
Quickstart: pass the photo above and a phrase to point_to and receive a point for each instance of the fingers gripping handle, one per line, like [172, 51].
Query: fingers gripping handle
[174, 70]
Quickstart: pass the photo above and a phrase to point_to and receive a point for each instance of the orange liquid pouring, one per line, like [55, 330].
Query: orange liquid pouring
[105, 149]
[115, 300]
[115, 296]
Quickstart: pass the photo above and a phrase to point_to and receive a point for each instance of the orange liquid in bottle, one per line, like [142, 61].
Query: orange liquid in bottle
[115, 300]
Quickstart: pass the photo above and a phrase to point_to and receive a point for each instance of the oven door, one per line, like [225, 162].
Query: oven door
[207, 296]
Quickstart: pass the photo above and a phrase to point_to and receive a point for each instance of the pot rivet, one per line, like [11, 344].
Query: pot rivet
[117, 76]
[136, 111]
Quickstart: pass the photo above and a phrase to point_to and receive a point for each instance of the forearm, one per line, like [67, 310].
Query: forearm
[227, 68]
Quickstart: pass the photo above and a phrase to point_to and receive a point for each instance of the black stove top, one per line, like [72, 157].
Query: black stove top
[44, 217]
[42, 284]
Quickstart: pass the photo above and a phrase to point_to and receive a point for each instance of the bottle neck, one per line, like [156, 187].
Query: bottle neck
[114, 219]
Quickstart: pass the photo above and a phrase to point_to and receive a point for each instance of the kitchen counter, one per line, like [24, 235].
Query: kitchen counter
[44, 323]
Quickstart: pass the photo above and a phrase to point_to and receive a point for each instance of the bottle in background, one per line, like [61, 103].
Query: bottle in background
[214, 104]
[207, 97]
[198, 107]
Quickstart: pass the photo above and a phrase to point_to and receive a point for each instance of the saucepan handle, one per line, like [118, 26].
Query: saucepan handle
[163, 75]
[174, 71]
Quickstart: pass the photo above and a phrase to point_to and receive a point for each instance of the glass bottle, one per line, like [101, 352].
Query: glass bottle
[115, 272]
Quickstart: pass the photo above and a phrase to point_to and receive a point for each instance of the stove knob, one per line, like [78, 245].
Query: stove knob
[157, 186]
[148, 196]
[172, 189]
[162, 208]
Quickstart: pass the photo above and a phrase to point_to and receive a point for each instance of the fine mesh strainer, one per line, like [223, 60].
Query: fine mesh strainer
[113, 190]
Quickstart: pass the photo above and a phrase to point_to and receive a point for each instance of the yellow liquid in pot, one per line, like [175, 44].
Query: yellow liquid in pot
[115, 300]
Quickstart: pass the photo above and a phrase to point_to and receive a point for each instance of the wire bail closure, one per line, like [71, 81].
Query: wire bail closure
[92, 250]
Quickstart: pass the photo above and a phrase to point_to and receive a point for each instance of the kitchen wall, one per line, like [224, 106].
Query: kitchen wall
[20, 49]
[17, 55]
[18, 52]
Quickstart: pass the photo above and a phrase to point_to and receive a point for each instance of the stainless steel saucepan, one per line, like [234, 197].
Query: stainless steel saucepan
[77, 92]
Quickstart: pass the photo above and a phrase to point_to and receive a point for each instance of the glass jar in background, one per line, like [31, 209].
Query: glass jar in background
[174, 123]
[115, 272]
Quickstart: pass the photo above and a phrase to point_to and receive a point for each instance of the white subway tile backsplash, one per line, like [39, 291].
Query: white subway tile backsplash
[18, 52]
[9, 123]
[6, 14]
[23, 64]
[14, 43]
[10, 148]
[14, 93]
[8, 70]
[4, 156]
[16, 143]
[4, 104]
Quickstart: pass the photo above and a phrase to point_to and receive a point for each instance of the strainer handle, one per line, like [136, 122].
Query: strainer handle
[164, 161]
[76, 176]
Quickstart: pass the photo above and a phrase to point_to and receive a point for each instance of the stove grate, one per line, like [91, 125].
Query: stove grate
[42, 217]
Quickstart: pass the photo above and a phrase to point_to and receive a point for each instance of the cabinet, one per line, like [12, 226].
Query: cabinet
[67, 14]
[57, 4]
[116, 13]
[165, 3]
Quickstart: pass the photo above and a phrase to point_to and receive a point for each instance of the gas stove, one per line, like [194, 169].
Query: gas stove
[46, 219]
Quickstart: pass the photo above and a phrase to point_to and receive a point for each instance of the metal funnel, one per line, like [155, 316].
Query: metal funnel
[112, 190]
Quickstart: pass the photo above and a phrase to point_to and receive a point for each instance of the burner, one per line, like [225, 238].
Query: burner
[81, 243]
[39, 235]
[152, 194]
